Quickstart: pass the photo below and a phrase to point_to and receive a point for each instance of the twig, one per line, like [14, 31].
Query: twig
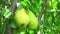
[4, 26]
[10, 29]
[4, 3]
[42, 10]
[0, 18]
[13, 7]
[41, 13]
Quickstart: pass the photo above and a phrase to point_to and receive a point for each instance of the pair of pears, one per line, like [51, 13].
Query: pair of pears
[24, 18]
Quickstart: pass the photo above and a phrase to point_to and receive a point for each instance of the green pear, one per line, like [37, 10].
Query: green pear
[22, 19]
[33, 21]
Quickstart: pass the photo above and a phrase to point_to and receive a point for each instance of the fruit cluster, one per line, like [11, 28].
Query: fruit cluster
[26, 18]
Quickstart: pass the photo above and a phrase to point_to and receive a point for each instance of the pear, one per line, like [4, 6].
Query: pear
[33, 21]
[22, 19]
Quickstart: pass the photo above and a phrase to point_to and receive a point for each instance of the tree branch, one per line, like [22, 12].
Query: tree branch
[4, 25]
[10, 29]
[41, 13]
[4, 3]
[13, 7]
[42, 10]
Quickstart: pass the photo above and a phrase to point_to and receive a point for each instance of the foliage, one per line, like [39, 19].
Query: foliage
[49, 23]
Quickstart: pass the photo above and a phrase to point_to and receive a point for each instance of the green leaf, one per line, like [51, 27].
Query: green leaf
[54, 4]
[6, 13]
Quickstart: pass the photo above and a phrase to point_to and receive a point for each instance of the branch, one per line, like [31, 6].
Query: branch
[0, 20]
[41, 13]
[4, 25]
[42, 10]
[13, 7]
[4, 3]
[10, 29]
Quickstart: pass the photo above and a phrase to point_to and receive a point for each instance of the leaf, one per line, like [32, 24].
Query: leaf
[54, 4]
[6, 13]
